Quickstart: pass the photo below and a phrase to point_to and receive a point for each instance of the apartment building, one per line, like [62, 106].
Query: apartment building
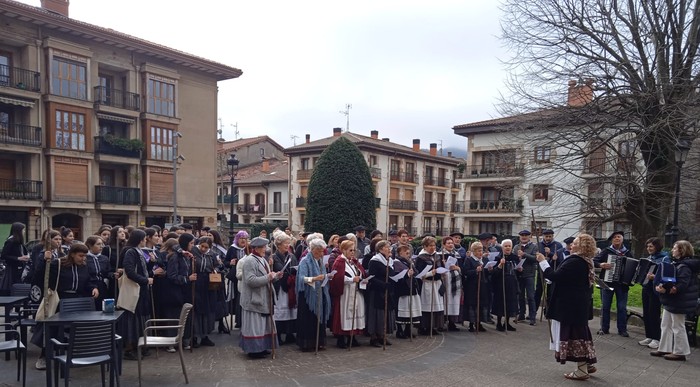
[415, 190]
[91, 120]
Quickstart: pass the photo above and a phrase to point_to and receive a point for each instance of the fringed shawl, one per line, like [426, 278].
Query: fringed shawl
[309, 267]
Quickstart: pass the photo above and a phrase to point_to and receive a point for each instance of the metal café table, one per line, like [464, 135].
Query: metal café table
[64, 319]
[9, 302]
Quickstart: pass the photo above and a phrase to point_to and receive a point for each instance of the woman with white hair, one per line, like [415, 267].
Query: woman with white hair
[286, 300]
[505, 287]
[313, 298]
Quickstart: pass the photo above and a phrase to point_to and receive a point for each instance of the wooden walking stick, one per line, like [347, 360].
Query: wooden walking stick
[354, 307]
[505, 310]
[386, 302]
[153, 311]
[116, 269]
[444, 299]
[272, 320]
[318, 306]
[410, 303]
[47, 273]
[478, 301]
[432, 297]
[194, 264]
[544, 283]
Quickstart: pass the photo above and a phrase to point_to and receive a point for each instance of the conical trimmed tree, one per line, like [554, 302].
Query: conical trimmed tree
[341, 194]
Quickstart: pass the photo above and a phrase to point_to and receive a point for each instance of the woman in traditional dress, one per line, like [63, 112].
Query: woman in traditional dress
[222, 309]
[382, 295]
[204, 312]
[98, 265]
[135, 269]
[571, 305]
[257, 325]
[432, 289]
[286, 304]
[504, 280]
[475, 292]
[347, 300]
[239, 249]
[453, 283]
[313, 298]
[407, 291]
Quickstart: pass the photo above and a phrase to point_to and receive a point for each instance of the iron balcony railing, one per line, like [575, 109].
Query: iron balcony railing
[436, 181]
[250, 208]
[227, 199]
[404, 204]
[117, 195]
[376, 172]
[19, 78]
[20, 134]
[301, 202]
[20, 189]
[105, 147]
[493, 206]
[117, 98]
[279, 208]
[304, 174]
[407, 177]
[490, 171]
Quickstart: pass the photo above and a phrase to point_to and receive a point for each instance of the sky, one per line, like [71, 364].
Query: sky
[410, 69]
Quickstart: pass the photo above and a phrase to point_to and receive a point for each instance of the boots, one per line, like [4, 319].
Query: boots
[342, 342]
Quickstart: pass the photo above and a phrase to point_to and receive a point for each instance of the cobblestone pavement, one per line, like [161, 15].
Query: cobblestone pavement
[491, 358]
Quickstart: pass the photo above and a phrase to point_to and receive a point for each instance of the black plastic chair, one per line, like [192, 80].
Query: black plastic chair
[13, 343]
[89, 344]
[79, 304]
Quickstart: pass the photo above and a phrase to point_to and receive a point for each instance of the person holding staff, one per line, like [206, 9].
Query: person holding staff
[651, 305]
[571, 307]
[475, 295]
[408, 312]
[453, 284]
[380, 316]
[432, 289]
[505, 287]
[286, 298]
[348, 317]
[313, 298]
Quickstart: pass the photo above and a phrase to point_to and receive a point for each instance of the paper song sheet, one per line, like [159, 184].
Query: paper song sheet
[493, 255]
[425, 271]
[364, 282]
[451, 261]
[441, 270]
[328, 276]
[490, 264]
[397, 277]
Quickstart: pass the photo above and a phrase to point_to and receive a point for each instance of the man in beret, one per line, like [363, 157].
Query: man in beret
[458, 236]
[485, 239]
[565, 251]
[362, 240]
[619, 290]
[527, 267]
[547, 247]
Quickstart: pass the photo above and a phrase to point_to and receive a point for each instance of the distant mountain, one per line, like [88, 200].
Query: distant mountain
[459, 153]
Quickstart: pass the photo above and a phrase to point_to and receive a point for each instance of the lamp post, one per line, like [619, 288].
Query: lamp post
[232, 164]
[682, 149]
[176, 158]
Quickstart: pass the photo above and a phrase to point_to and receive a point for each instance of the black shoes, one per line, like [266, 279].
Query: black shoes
[195, 343]
[452, 327]
[342, 344]
[206, 342]
[624, 334]
[223, 329]
[481, 328]
[500, 327]
[510, 328]
[355, 343]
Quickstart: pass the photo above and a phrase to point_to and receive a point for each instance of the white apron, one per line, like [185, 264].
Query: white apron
[351, 295]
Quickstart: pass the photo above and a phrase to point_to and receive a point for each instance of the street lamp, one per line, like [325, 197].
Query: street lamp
[682, 149]
[232, 164]
[176, 158]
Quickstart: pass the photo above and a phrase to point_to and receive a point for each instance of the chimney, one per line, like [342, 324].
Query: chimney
[416, 144]
[308, 138]
[375, 134]
[337, 132]
[56, 6]
[580, 94]
[266, 165]
[449, 154]
[385, 139]
[433, 149]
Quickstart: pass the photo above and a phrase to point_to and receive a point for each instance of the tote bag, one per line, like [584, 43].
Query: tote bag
[49, 303]
[128, 294]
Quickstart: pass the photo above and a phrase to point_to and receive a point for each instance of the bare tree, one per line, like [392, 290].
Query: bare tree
[638, 65]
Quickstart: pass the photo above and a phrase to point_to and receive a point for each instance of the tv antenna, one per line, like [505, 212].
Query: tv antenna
[236, 133]
[440, 147]
[220, 131]
[294, 138]
[346, 112]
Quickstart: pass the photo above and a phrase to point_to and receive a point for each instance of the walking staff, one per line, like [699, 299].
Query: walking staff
[505, 307]
[386, 301]
[478, 299]
[410, 302]
[544, 285]
[270, 292]
[318, 306]
[432, 297]
[354, 306]
[193, 314]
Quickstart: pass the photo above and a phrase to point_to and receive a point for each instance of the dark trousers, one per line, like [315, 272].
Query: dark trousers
[527, 293]
[651, 306]
[620, 292]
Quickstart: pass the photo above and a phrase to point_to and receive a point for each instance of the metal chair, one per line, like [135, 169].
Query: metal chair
[78, 304]
[12, 343]
[147, 341]
[89, 344]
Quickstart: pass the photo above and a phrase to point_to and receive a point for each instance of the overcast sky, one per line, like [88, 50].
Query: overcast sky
[410, 69]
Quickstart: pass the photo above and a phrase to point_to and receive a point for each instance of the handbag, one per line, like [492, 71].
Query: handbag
[49, 303]
[214, 281]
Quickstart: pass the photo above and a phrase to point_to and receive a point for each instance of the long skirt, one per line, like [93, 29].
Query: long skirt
[282, 310]
[375, 319]
[204, 324]
[572, 343]
[408, 309]
[511, 296]
[256, 332]
[307, 326]
[130, 328]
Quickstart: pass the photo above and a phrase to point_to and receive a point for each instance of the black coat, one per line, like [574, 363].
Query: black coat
[378, 285]
[73, 280]
[685, 299]
[178, 286]
[135, 269]
[99, 269]
[279, 260]
[571, 301]
[471, 281]
[11, 251]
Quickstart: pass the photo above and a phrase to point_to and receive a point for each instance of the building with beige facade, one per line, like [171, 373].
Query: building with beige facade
[415, 190]
[91, 120]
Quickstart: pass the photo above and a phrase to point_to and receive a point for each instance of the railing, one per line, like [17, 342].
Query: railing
[486, 171]
[593, 205]
[457, 207]
[280, 208]
[301, 202]
[493, 206]
[20, 134]
[250, 208]
[117, 195]
[376, 172]
[18, 78]
[404, 204]
[407, 177]
[594, 165]
[436, 181]
[435, 206]
[377, 202]
[227, 199]
[117, 98]
[20, 189]
[104, 147]
[304, 174]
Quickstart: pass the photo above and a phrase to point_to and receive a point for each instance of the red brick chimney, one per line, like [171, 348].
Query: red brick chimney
[308, 138]
[265, 166]
[416, 144]
[580, 95]
[56, 6]
[374, 134]
[337, 132]
[433, 149]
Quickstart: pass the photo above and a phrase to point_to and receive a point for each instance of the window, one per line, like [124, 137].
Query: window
[395, 170]
[502, 228]
[277, 202]
[70, 130]
[68, 78]
[162, 144]
[542, 154]
[161, 98]
[305, 164]
[540, 192]
[594, 228]
[372, 161]
[5, 69]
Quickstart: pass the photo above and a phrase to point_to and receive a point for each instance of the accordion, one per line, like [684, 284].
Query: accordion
[646, 267]
[622, 269]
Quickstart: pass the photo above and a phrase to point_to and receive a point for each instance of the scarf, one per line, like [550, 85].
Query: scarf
[379, 257]
[310, 267]
[454, 274]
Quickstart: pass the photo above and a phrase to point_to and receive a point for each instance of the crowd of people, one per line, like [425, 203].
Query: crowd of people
[285, 291]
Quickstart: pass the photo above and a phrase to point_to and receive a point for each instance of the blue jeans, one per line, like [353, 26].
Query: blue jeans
[527, 291]
[620, 291]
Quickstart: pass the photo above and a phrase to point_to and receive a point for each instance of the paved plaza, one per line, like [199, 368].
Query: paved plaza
[492, 358]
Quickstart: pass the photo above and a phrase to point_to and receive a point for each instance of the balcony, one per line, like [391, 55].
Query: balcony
[407, 177]
[117, 98]
[493, 171]
[279, 208]
[304, 174]
[493, 206]
[227, 199]
[301, 202]
[436, 181]
[594, 205]
[117, 195]
[250, 208]
[594, 165]
[20, 134]
[435, 206]
[20, 189]
[403, 205]
[375, 172]
[18, 78]
[118, 146]
[457, 207]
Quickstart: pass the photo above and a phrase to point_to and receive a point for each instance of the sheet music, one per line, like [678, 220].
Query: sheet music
[325, 259]
[364, 282]
[327, 277]
[441, 270]
[397, 277]
[451, 261]
[520, 264]
[493, 255]
[425, 271]
[286, 264]
[490, 264]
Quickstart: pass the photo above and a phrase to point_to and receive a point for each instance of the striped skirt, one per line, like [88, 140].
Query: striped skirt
[256, 332]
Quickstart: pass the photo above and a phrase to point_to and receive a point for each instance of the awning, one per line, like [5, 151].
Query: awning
[110, 117]
[18, 102]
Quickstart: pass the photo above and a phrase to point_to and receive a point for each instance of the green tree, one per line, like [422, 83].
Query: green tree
[341, 194]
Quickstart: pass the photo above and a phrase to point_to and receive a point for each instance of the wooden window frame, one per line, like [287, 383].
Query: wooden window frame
[62, 70]
[73, 136]
[540, 192]
[161, 142]
[543, 154]
[161, 96]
